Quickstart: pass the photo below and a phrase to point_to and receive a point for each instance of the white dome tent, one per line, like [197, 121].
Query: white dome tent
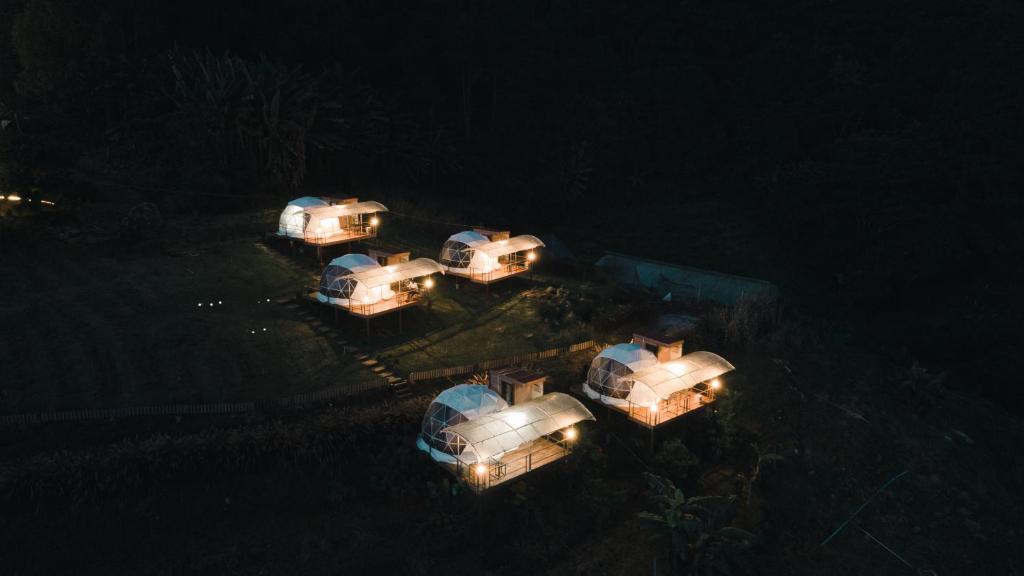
[461, 403]
[362, 286]
[338, 284]
[293, 219]
[471, 431]
[629, 378]
[606, 378]
[327, 221]
[484, 259]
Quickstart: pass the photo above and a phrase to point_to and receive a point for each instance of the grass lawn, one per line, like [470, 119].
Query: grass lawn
[92, 327]
[81, 328]
[467, 324]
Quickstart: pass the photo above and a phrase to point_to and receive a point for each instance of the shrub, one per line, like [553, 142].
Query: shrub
[674, 461]
[737, 327]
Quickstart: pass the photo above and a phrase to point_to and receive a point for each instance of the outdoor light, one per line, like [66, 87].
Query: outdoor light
[570, 434]
[200, 304]
[716, 384]
[480, 469]
[219, 302]
[675, 368]
[653, 408]
[14, 198]
[531, 256]
[374, 221]
[428, 283]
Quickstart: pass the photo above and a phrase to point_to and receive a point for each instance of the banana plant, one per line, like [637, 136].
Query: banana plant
[695, 528]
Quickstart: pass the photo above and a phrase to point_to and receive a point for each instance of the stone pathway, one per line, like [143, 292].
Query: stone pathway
[304, 310]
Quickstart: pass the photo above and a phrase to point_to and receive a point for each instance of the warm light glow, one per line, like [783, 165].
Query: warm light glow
[517, 419]
[480, 469]
[653, 408]
[716, 384]
[428, 283]
[570, 434]
[677, 368]
[14, 198]
[374, 221]
[531, 256]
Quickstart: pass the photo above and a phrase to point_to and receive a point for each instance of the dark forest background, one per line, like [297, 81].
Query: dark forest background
[873, 148]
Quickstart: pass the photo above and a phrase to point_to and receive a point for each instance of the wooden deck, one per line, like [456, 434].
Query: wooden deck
[343, 237]
[398, 301]
[675, 406]
[492, 276]
[514, 464]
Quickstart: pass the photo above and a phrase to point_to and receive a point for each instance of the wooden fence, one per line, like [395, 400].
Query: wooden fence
[325, 395]
[488, 364]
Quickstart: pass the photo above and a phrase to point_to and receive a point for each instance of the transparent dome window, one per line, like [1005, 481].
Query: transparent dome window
[336, 282]
[606, 378]
[440, 416]
[455, 254]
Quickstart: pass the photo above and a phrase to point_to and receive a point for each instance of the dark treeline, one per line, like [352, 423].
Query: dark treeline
[878, 143]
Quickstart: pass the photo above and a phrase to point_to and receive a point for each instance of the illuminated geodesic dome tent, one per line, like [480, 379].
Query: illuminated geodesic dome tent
[605, 378]
[356, 280]
[453, 406]
[486, 255]
[457, 253]
[338, 285]
[328, 220]
[629, 375]
[293, 219]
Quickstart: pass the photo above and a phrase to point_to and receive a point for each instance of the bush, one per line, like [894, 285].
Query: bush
[724, 432]
[737, 327]
[674, 461]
